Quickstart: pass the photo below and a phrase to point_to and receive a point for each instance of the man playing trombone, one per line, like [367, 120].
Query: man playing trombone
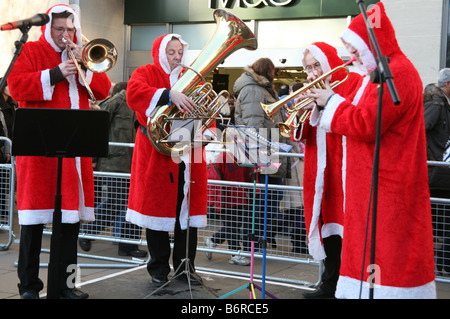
[44, 77]
[322, 177]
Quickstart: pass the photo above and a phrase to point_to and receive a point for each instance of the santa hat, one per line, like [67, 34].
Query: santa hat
[356, 34]
[46, 28]
[160, 57]
[328, 58]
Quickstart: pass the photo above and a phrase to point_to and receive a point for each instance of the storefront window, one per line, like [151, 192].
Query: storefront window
[142, 37]
[197, 34]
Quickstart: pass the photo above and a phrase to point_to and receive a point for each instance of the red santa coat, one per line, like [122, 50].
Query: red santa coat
[153, 193]
[404, 264]
[323, 191]
[29, 84]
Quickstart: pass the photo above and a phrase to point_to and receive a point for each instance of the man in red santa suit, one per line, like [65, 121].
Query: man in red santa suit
[322, 178]
[164, 192]
[44, 77]
[404, 262]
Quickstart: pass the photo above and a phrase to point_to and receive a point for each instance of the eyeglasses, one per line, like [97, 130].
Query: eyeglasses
[315, 66]
[62, 30]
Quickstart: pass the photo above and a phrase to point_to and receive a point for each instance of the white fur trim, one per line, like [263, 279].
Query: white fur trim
[366, 80]
[321, 57]
[349, 288]
[297, 134]
[194, 220]
[328, 112]
[76, 24]
[151, 108]
[73, 88]
[87, 214]
[331, 229]
[314, 118]
[175, 75]
[197, 221]
[366, 56]
[47, 88]
[184, 211]
[151, 222]
[344, 168]
[73, 93]
[162, 52]
[88, 75]
[316, 249]
[45, 216]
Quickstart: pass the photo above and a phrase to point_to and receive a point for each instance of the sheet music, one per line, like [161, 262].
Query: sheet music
[250, 148]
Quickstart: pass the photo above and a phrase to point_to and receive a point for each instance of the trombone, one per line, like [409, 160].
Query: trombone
[287, 127]
[98, 55]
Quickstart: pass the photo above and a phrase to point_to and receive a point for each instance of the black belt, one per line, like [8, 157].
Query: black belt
[144, 130]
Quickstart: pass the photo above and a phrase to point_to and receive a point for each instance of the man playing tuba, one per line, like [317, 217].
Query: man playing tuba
[161, 198]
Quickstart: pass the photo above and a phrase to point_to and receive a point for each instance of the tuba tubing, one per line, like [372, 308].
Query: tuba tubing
[231, 35]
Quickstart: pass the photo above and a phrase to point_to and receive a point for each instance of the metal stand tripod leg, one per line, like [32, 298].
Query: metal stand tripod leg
[251, 285]
[186, 261]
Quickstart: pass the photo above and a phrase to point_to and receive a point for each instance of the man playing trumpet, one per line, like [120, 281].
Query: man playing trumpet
[322, 178]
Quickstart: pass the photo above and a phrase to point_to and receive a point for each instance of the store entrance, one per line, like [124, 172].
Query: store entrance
[224, 78]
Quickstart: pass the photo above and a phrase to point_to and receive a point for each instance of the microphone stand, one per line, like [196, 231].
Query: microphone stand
[19, 46]
[381, 75]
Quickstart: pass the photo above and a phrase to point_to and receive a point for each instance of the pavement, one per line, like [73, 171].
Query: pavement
[127, 277]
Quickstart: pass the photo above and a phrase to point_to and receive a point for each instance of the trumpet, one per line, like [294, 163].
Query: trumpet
[287, 127]
[98, 55]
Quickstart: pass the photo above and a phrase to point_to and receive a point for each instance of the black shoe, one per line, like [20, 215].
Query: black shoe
[137, 253]
[73, 294]
[159, 280]
[85, 244]
[194, 279]
[319, 294]
[29, 294]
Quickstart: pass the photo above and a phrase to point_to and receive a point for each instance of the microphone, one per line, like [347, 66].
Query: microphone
[37, 20]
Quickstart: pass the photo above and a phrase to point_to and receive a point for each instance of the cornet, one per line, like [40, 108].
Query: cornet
[287, 127]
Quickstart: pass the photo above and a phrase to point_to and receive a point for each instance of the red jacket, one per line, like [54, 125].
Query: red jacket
[29, 84]
[404, 256]
[154, 176]
[323, 189]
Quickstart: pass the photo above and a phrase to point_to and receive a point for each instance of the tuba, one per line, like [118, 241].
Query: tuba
[287, 127]
[231, 34]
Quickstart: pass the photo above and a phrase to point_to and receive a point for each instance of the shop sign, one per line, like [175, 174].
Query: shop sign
[229, 4]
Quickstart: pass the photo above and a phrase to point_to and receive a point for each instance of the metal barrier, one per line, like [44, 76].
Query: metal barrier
[286, 230]
[231, 224]
[7, 187]
[440, 209]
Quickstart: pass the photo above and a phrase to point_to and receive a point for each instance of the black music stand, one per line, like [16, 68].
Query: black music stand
[59, 133]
